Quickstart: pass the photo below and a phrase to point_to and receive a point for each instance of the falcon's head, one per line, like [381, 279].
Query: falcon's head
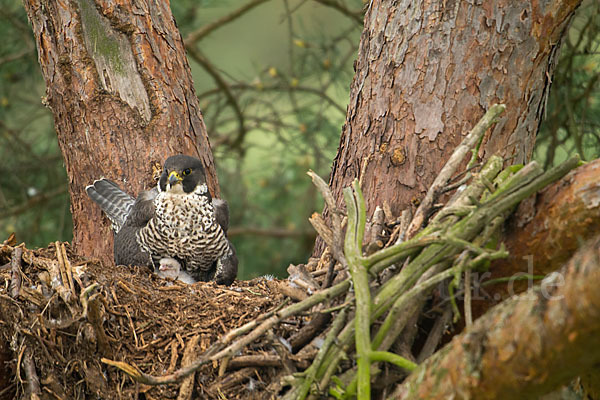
[183, 174]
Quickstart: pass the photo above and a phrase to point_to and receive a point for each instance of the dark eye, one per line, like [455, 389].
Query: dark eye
[187, 171]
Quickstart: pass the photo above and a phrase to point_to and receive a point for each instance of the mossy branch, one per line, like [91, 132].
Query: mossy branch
[354, 235]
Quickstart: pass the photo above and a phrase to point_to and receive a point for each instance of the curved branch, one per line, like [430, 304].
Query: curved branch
[200, 33]
[524, 347]
[279, 88]
[212, 71]
[357, 16]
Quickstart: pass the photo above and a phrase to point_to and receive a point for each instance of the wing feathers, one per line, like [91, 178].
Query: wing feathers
[112, 200]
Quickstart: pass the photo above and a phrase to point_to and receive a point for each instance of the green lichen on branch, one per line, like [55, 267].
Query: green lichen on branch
[114, 59]
[100, 38]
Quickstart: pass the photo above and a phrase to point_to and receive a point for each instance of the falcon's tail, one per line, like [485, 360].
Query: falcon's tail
[112, 200]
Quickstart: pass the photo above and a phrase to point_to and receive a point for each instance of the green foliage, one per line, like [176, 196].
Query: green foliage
[33, 183]
[572, 123]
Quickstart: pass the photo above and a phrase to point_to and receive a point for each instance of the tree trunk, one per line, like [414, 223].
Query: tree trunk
[426, 72]
[121, 92]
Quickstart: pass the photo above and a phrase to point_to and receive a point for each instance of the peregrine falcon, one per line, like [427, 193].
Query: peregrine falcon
[175, 224]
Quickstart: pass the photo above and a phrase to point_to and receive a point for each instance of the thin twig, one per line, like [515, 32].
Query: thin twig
[33, 382]
[15, 273]
[212, 71]
[435, 335]
[467, 300]
[279, 88]
[33, 201]
[452, 165]
[336, 244]
[200, 33]
[357, 16]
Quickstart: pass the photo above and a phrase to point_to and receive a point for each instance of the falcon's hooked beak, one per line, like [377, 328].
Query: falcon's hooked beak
[174, 178]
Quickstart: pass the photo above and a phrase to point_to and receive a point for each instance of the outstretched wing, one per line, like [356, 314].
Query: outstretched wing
[112, 200]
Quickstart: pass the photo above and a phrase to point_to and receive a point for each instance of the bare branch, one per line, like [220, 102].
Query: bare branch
[33, 201]
[558, 339]
[212, 71]
[336, 5]
[199, 34]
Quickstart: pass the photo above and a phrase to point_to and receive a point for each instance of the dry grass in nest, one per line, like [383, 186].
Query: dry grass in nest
[53, 336]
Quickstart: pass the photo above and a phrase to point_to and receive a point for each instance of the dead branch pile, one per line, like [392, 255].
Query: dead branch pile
[75, 329]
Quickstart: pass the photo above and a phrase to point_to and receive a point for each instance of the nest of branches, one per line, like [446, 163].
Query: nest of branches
[344, 325]
[62, 314]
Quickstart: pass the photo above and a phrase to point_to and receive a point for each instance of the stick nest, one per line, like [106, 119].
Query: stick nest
[132, 316]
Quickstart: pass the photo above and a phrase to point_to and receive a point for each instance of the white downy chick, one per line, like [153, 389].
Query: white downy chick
[171, 268]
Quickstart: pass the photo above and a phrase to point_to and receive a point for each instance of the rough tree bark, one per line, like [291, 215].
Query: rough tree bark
[426, 72]
[542, 237]
[121, 92]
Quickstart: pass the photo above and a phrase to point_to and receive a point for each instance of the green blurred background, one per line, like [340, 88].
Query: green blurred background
[273, 86]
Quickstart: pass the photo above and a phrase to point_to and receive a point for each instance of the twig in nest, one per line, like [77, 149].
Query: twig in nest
[257, 360]
[141, 377]
[8, 389]
[467, 300]
[336, 244]
[10, 241]
[232, 379]
[187, 386]
[232, 334]
[436, 333]
[295, 293]
[84, 297]
[376, 232]
[15, 276]
[318, 222]
[308, 332]
[65, 266]
[283, 350]
[57, 283]
[33, 382]
[330, 274]
[451, 165]
[96, 318]
[399, 233]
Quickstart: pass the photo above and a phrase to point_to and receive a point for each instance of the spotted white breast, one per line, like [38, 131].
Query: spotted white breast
[184, 227]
